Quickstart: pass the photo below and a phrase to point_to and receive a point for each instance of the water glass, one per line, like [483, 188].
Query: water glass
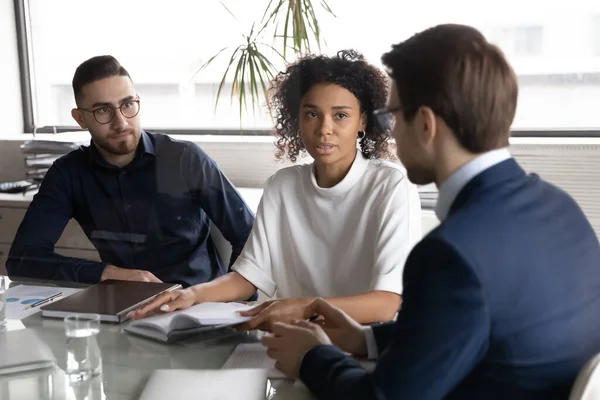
[92, 389]
[3, 284]
[84, 360]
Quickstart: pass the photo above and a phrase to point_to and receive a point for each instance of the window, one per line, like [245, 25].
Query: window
[528, 40]
[519, 41]
[163, 43]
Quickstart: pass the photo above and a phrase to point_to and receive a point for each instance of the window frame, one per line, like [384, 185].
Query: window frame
[24, 49]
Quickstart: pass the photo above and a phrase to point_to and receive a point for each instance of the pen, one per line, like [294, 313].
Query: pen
[39, 303]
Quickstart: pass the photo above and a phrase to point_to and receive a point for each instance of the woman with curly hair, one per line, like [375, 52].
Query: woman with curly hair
[340, 227]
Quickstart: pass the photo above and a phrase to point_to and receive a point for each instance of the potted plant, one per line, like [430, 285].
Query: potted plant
[287, 28]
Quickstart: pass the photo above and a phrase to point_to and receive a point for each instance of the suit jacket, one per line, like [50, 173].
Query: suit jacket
[501, 301]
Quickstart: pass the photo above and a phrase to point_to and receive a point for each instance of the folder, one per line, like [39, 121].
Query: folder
[111, 299]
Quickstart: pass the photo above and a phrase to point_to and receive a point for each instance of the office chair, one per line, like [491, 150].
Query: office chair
[587, 384]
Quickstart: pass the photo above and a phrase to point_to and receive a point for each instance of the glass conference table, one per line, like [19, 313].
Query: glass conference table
[127, 362]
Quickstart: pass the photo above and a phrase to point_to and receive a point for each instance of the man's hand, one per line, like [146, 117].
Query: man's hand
[343, 331]
[290, 342]
[166, 302]
[125, 274]
[269, 312]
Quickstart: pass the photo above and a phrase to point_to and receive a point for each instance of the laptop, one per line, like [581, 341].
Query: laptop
[112, 299]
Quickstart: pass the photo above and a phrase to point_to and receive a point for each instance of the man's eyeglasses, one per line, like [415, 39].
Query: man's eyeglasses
[105, 114]
[385, 119]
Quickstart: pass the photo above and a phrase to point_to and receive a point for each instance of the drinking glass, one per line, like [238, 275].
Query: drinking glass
[84, 360]
[2, 301]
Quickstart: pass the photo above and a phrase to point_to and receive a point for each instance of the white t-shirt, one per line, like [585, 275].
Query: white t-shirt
[353, 238]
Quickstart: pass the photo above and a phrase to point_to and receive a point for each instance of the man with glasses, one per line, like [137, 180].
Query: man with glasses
[143, 199]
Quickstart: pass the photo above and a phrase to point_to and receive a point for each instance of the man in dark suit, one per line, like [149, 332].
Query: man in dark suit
[502, 299]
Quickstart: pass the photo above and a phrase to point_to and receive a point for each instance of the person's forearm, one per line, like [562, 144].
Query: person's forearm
[229, 287]
[370, 307]
[43, 264]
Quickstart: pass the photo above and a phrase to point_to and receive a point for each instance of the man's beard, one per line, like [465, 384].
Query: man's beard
[121, 148]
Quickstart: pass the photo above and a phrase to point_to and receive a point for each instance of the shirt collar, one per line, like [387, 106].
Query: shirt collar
[455, 182]
[147, 144]
[358, 168]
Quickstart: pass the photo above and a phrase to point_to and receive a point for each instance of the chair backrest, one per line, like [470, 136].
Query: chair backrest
[224, 249]
[221, 244]
[587, 384]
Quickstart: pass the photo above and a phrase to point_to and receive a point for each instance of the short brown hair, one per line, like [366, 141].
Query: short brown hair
[94, 69]
[463, 78]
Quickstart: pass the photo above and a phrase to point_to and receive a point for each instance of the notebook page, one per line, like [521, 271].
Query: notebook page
[218, 313]
[20, 298]
[204, 314]
[159, 321]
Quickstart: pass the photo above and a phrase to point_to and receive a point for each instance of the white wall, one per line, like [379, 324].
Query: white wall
[11, 113]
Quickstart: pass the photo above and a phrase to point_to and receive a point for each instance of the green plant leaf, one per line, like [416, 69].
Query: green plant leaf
[253, 84]
[313, 23]
[264, 83]
[285, 26]
[295, 22]
[238, 69]
[272, 48]
[279, 3]
[231, 61]
[229, 11]
[268, 64]
[242, 85]
[327, 8]
[206, 64]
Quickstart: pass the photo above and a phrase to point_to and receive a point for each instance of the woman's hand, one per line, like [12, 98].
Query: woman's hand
[166, 302]
[269, 312]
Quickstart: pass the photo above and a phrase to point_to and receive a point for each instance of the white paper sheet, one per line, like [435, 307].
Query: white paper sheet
[252, 355]
[184, 384]
[19, 298]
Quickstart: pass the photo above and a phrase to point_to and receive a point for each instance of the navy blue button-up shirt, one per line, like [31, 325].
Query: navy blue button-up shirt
[153, 214]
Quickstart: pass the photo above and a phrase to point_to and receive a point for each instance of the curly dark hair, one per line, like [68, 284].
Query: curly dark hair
[347, 69]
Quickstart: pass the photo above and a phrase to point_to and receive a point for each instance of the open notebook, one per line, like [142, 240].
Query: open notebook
[199, 318]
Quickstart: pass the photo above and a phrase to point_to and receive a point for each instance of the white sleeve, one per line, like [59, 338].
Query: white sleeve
[254, 263]
[399, 221]
[372, 350]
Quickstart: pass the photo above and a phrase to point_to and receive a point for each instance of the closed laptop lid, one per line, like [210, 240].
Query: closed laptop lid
[110, 297]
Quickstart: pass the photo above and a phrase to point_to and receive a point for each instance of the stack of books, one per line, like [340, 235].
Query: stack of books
[40, 154]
